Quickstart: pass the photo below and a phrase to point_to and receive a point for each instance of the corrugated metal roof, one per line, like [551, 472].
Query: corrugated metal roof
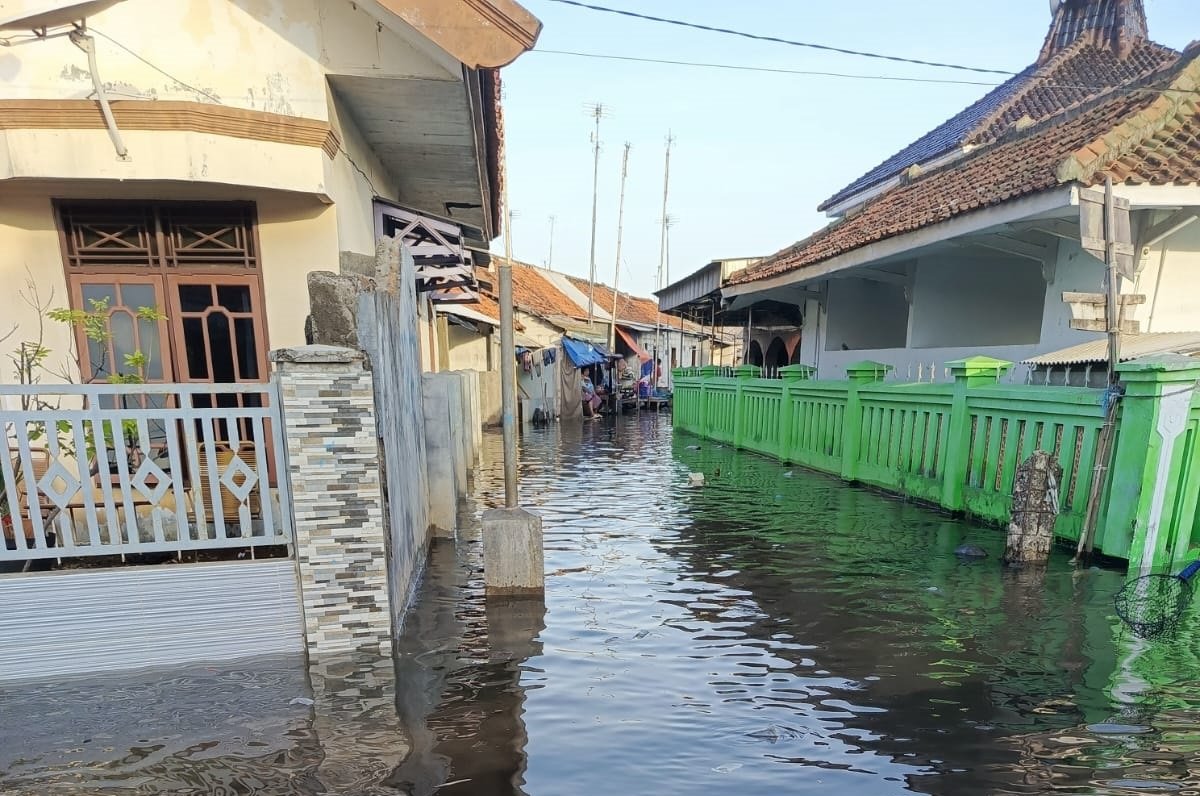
[1133, 346]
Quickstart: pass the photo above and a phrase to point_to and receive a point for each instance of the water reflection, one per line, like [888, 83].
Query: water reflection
[771, 632]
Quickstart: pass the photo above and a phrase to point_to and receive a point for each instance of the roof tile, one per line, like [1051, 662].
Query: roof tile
[1159, 143]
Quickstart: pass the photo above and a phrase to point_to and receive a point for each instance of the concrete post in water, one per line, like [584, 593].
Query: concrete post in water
[742, 374]
[440, 455]
[859, 374]
[968, 373]
[1034, 510]
[789, 374]
[333, 462]
[1151, 506]
[512, 552]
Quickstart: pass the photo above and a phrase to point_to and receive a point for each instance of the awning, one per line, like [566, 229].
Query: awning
[582, 353]
[1132, 347]
[634, 347]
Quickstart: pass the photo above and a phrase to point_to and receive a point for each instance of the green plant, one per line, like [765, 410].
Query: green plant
[31, 361]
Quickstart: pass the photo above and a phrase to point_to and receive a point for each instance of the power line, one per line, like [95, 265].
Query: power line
[157, 68]
[777, 40]
[772, 70]
[854, 76]
[217, 100]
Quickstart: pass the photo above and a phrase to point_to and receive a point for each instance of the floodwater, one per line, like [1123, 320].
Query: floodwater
[772, 632]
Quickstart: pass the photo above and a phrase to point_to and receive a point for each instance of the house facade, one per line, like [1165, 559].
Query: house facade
[965, 242]
[249, 144]
[190, 194]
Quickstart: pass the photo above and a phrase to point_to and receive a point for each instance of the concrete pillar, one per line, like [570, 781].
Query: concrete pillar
[440, 455]
[969, 374]
[333, 463]
[859, 374]
[489, 392]
[512, 552]
[1151, 504]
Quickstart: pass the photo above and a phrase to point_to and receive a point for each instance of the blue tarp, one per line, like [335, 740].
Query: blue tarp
[582, 353]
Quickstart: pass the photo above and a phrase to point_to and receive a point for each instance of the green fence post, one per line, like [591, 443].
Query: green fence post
[968, 373]
[789, 374]
[741, 374]
[705, 422]
[860, 373]
[1143, 520]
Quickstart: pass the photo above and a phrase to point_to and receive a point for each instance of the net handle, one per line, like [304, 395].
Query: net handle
[1190, 570]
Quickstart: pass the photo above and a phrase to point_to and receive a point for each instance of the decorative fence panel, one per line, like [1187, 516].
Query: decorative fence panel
[1010, 423]
[904, 437]
[958, 444]
[107, 469]
[813, 433]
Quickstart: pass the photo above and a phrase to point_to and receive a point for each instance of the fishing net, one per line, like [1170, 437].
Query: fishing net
[1152, 605]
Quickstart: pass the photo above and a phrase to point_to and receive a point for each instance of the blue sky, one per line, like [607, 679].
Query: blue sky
[755, 153]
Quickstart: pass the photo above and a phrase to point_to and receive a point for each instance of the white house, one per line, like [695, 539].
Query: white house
[965, 242]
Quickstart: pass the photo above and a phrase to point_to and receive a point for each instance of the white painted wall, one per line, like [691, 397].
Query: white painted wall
[1074, 271]
[865, 314]
[1170, 281]
[976, 301]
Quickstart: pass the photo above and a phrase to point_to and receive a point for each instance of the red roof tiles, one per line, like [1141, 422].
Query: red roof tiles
[1141, 135]
[1093, 45]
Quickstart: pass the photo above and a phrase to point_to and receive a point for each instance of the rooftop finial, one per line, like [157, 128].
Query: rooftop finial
[1115, 25]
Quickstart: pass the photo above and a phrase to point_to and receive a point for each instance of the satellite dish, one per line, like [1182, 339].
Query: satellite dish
[42, 14]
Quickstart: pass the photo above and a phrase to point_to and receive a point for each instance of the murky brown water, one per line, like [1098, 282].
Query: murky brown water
[773, 632]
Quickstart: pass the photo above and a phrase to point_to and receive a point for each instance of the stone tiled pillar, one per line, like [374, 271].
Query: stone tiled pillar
[333, 466]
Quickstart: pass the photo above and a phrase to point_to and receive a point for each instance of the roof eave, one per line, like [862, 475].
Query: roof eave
[900, 245]
[479, 33]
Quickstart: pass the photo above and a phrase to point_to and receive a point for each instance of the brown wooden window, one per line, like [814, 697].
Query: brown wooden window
[196, 262]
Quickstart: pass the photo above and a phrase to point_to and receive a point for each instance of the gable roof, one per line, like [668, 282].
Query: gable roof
[1137, 134]
[631, 309]
[1093, 45]
[535, 292]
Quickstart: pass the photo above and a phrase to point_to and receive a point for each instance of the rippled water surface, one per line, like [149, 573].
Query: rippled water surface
[771, 632]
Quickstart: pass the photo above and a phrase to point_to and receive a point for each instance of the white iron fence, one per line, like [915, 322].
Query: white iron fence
[91, 470]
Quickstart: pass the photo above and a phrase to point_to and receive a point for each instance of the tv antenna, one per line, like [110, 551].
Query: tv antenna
[46, 19]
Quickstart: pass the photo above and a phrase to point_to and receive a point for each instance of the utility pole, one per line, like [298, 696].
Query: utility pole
[1104, 444]
[598, 112]
[662, 257]
[612, 331]
[508, 359]
[550, 254]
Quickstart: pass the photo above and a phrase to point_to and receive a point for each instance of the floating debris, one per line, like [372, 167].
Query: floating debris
[1106, 728]
[693, 447]
[695, 479]
[302, 701]
[728, 768]
[970, 551]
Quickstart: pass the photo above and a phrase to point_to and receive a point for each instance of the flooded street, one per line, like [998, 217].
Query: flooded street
[772, 632]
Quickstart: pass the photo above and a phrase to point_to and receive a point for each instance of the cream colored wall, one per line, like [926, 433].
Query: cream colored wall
[539, 330]
[354, 191]
[1170, 281]
[255, 54]
[297, 234]
[468, 350]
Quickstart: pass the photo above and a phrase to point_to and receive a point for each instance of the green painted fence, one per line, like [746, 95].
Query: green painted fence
[958, 444]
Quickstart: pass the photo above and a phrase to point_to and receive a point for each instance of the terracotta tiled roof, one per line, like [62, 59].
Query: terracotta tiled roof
[1143, 135]
[535, 294]
[1116, 25]
[630, 309]
[1072, 77]
[1093, 45]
